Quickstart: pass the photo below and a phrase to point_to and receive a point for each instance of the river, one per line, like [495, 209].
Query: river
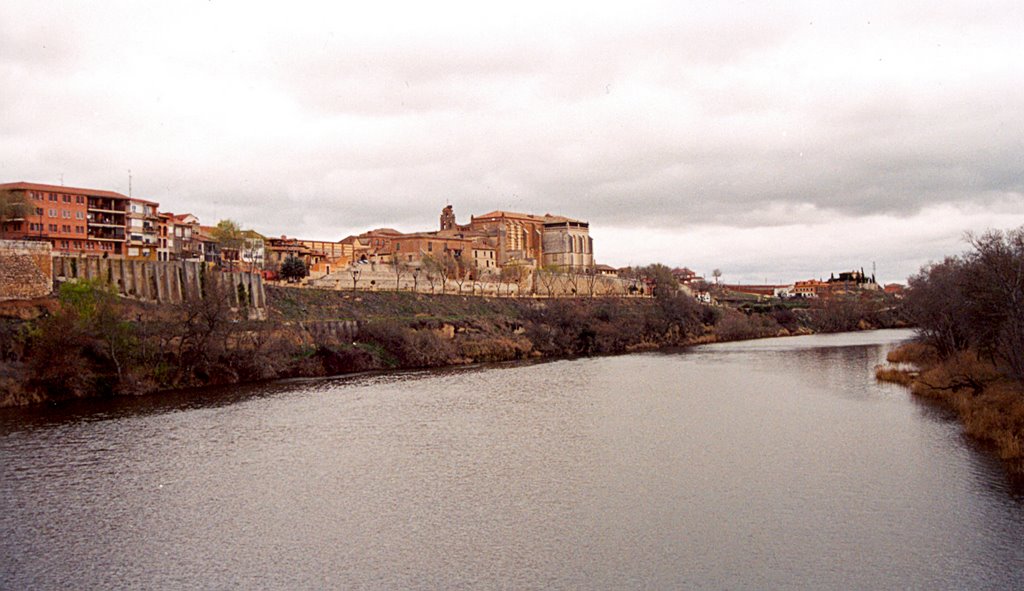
[765, 464]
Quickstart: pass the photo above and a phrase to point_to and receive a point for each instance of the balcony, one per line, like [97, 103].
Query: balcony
[107, 205]
[105, 219]
[115, 234]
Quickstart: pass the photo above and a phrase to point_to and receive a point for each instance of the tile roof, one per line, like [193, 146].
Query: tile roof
[62, 189]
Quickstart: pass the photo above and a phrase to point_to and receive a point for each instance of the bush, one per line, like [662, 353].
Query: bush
[406, 347]
[737, 326]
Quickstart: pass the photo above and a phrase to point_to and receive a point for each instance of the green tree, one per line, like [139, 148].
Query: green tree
[229, 234]
[13, 206]
[293, 269]
[665, 283]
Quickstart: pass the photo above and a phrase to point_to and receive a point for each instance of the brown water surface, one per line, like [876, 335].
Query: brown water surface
[765, 464]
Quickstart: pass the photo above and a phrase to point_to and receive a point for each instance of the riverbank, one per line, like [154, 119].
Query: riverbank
[89, 342]
[988, 403]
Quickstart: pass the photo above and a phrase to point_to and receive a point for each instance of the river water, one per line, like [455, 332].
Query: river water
[761, 465]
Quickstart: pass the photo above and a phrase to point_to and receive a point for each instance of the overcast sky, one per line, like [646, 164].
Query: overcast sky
[774, 140]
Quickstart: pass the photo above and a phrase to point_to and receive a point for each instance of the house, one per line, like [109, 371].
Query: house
[811, 288]
[852, 281]
[179, 238]
[686, 276]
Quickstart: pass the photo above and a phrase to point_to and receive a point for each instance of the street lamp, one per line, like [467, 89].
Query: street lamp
[355, 277]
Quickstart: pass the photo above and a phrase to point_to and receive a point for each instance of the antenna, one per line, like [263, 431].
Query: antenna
[62, 179]
[129, 182]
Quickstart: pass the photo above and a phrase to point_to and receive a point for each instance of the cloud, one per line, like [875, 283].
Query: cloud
[321, 120]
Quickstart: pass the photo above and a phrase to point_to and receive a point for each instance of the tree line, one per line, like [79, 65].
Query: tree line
[975, 301]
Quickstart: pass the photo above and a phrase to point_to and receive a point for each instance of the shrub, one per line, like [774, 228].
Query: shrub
[407, 347]
[735, 326]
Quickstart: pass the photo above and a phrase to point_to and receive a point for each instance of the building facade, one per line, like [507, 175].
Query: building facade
[143, 230]
[567, 244]
[74, 221]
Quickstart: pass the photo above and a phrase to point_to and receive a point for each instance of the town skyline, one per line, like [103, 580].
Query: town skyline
[773, 143]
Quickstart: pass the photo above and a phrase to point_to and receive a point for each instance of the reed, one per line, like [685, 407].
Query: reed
[894, 375]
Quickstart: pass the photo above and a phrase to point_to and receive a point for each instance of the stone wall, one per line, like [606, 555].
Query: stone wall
[374, 277]
[26, 270]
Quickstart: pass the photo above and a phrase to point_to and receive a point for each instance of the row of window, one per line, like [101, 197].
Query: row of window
[63, 213]
[66, 228]
[56, 197]
[85, 245]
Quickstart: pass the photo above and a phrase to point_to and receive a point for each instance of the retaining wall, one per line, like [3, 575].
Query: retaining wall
[164, 282]
[26, 269]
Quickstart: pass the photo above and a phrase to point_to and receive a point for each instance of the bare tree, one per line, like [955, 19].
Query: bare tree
[937, 304]
[399, 268]
[508, 275]
[434, 269]
[460, 271]
[591, 279]
[548, 276]
[574, 275]
[995, 294]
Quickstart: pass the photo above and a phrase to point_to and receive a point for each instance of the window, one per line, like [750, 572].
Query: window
[66, 198]
[65, 214]
[39, 211]
[79, 199]
[53, 227]
[53, 196]
[64, 244]
[430, 247]
[53, 213]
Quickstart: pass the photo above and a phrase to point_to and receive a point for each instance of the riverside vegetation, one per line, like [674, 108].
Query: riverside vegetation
[969, 310]
[90, 342]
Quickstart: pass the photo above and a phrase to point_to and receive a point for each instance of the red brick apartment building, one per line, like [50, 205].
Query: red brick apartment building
[72, 220]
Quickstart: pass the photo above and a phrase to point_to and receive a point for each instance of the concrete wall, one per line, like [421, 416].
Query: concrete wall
[165, 282]
[26, 269]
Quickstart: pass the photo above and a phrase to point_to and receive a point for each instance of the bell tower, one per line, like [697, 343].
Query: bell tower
[447, 218]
